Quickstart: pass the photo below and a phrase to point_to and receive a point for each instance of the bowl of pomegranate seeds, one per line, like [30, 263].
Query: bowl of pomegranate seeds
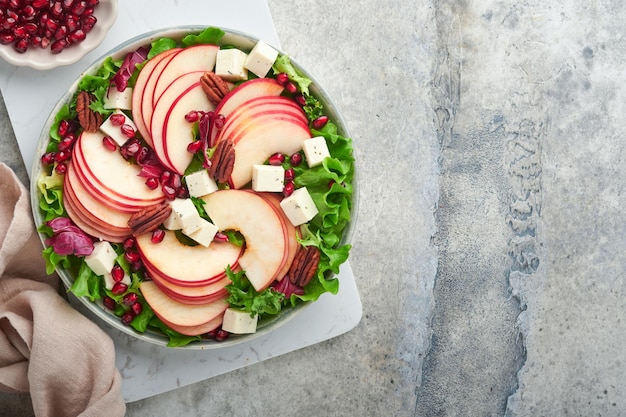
[45, 34]
[195, 188]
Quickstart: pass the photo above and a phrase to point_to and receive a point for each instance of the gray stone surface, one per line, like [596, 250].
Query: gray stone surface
[490, 245]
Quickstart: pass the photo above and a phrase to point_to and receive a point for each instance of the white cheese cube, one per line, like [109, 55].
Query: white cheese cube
[115, 131]
[205, 234]
[299, 207]
[102, 259]
[269, 178]
[186, 215]
[229, 64]
[115, 99]
[260, 59]
[315, 151]
[200, 183]
[109, 281]
[173, 222]
[239, 322]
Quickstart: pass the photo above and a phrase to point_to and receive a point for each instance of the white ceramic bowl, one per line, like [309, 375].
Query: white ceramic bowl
[43, 59]
[231, 37]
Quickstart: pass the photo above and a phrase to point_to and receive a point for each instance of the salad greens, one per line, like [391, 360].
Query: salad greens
[329, 184]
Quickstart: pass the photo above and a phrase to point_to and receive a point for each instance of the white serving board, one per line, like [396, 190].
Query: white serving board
[30, 95]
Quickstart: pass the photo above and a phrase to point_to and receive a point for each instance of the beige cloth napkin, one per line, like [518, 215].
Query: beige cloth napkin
[65, 361]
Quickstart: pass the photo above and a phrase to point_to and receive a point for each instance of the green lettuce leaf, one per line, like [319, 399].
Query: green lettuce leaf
[283, 64]
[51, 189]
[87, 283]
[243, 295]
[175, 339]
[210, 35]
[161, 45]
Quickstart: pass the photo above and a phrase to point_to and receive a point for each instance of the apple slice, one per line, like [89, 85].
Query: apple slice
[260, 225]
[179, 314]
[196, 330]
[144, 86]
[190, 266]
[190, 295]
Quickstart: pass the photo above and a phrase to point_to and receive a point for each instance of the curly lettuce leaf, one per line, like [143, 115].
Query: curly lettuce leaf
[51, 189]
[175, 339]
[243, 295]
[87, 283]
[98, 84]
[161, 45]
[210, 35]
[283, 64]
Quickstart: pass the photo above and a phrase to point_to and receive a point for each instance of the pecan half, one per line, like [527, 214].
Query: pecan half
[89, 120]
[222, 161]
[304, 265]
[149, 218]
[214, 87]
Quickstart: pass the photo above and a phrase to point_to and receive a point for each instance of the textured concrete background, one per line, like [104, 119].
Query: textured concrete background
[490, 245]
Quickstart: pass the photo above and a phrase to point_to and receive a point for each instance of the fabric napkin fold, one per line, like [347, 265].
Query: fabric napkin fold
[65, 361]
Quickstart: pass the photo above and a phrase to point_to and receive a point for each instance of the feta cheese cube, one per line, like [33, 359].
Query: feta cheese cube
[205, 234]
[315, 151]
[200, 183]
[173, 222]
[102, 259]
[115, 99]
[268, 178]
[115, 131]
[184, 213]
[239, 321]
[260, 59]
[299, 207]
[109, 281]
[229, 64]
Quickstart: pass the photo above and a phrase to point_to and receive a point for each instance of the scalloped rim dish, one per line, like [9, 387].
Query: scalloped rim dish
[43, 59]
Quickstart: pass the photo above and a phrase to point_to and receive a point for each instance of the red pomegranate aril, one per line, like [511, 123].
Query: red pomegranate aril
[176, 181]
[20, 32]
[136, 266]
[79, 8]
[131, 147]
[56, 9]
[182, 193]
[28, 13]
[152, 183]
[117, 273]
[109, 302]
[48, 158]
[221, 335]
[320, 122]
[192, 117]
[117, 119]
[62, 156]
[165, 177]
[130, 299]
[131, 256]
[45, 42]
[142, 155]
[9, 23]
[64, 127]
[290, 174]
[219, 121]
[127, 130]
[300, 100]
[92, 3]
[295, 159]
[61, 168]
[40, 4]
[77, 36]
[194, 147]
[129, 244]
[119, 288]
[7, 38]
[109, 143]
[136, 308]
[66, 143]
[15, 4]
[291, 87]
[276, 159]
[128, 318]
[67, 4]
[35, 41]
[282, 78]
[220, 237]
[169, 192]
[50, 24]
[60, 33]
[289, 188]
[31, 28]
[89, 22]
[21, 46]
[58, 46]
[157, 236]
[72, 22]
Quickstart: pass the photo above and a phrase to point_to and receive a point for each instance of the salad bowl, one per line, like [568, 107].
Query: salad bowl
[155, 287]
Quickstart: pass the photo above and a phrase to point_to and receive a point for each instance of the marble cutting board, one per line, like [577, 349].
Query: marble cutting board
[30, 95]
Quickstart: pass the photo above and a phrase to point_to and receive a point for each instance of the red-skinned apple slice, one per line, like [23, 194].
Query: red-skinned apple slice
[179, 314]
[187, 265]
[190, 295]
[261, 227]
[144, 87]
[196, 330]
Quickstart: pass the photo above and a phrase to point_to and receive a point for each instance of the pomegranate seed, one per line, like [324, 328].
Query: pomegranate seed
[35, 41]
[182, 193]
[295, 159]
[157, 236]
[194, 147]
[119, 288]
[48, 158]
[67, 4]
[117, 119]
[21, 46]
[62, 156]
[66, 143]
[300, 100]
[131, 147]
[92, 3]
[50, 24]
[20, 32]
[9, 23]
[61, 168]
[127, 130]
[129, 244]
[39, 4]
[77, 36]
[64, 128]
[289, 188]
[192, 117]
[128, 317]
[28, 13]
[72, 22]
[320, 122]
[109, 302]
[220, 237]
[15, 4]
[276, 159]
[142, 155]
[60, 33]
[282, 78]
[6, 38]
[57, 46]
[57, 9]
[45, 42]
[290, 174]
[117, 273]
[131, 256]
[152, 183]
[291, 87]
[30, 28]
[79, 8]
[165, 177]
[89, 22]
[136, 308]
[169, 192]
[109, 143]
[221, 335]
[130, 299]
[219, 121]
[146, 276]
[136, 266]
[175, 181]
